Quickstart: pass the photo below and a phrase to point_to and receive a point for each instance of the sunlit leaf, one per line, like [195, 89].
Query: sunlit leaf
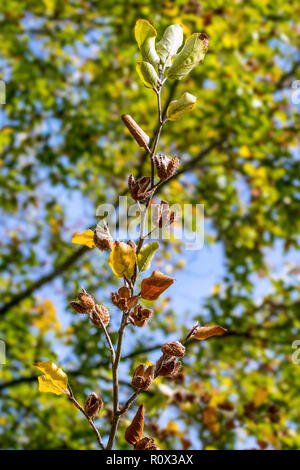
[54, 379]
[146, 254]
[147, 74]
[170, 43]
[86, 238]
[122, 259]
[153, 286]
[205, 332]
[191, 55]
[178, 108]
[145, 35]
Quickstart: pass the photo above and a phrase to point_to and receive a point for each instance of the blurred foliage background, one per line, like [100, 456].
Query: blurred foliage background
[69, 69]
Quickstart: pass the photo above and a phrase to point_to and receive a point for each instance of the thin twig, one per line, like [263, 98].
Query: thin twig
[92, 424]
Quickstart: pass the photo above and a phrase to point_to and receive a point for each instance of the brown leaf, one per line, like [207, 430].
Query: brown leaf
[153, 286]
[205, 332]
[135, 430]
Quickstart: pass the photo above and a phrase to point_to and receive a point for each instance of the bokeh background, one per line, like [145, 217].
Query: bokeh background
[69, 70]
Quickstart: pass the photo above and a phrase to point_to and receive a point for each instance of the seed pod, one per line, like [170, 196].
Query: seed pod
[84, 304]
[100, 312]
[139, 188]
[102, 238]
[140, 316]
[173, 348]
[147, 443]
[161, 215]
[86, 300]
[165, 166]
[142, 379]
[135, 430]
[78, 307]
[138, 134]
[93, 405]
[114, 298]
[167, 367]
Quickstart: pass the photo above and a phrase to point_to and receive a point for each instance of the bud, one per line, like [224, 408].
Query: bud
[86, 300]
[140, 316]
[102, 238]
[161, 215]
[142, 379]
[165, 166]
[147, 443]
[138, 134]
[99, 312]
[93, 405]
[84, 304]
[173, 348]
[139, 188]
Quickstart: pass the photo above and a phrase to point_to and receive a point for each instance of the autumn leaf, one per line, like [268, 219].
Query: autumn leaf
[86, 238]
[54, 379]
[153, 286]
[205, 332]
[135, 430]
[146, 254]
[122, 259]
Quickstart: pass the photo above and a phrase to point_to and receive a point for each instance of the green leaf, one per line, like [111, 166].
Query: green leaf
[146, 254]
[178, 108]
[145, 36]
[191, 55]
[170, 43]
[147, 74]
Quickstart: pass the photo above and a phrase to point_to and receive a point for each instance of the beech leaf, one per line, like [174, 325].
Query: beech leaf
[205, 332]
[170, 43]
[146, 254]
[135, 430]
[147, 74]
[178, 108]
[54, 379]
[86, 238]
[122, 259]
[191, 55]
[153, 286]
[145, 35]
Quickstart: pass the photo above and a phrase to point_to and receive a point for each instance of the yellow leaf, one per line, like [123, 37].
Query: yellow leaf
[122, 259]
[260, 396]
[54, 379]
[86, 238]
[45, 318]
